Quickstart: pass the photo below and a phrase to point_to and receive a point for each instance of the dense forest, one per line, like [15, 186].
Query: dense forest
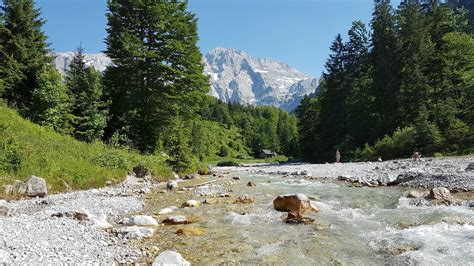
[404, 84]
[153, 98]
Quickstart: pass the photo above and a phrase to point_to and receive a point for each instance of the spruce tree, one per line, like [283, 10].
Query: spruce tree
[157, 65]
[88, 109]
[24, 52]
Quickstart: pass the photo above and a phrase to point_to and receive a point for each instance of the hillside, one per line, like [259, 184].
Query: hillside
[29, 149]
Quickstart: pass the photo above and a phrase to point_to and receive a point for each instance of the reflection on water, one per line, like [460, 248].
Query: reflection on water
[354, 226]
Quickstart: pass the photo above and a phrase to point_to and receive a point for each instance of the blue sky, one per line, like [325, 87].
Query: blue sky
[297, 32]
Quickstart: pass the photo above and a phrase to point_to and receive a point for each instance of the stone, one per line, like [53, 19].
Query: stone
[174, 220]
[297, 218]
[140, 220]
[37, 187]
[190, 231]
[168, 258]
[167, 210]
[293, 203]
[3, 208]
[189, 176]
[415, 194]
[440, 193]
[191, 204]
[236, 178]
[172, 184]
[135, 232]
[470, 167]
[245, 199]
[251, 184]
[8, 189]
[385, 178]
[400, 249]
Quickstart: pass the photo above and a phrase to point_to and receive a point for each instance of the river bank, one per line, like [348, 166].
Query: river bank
[231, 219]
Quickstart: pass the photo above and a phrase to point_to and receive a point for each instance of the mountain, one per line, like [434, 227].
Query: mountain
[237, 77]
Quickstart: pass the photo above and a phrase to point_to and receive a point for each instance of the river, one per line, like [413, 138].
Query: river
[355, 225]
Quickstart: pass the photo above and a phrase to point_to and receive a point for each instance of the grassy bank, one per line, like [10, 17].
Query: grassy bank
[28, 149]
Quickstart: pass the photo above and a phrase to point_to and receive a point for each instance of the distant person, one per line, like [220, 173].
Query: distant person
[338, 156]
[416, 156]
[379, 159]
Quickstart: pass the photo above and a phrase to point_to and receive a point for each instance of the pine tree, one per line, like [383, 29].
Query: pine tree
[385, 62]
[24, 52]
[88, 109]
[154, 45]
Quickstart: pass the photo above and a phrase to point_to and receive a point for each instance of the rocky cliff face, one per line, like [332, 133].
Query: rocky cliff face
[236, 77]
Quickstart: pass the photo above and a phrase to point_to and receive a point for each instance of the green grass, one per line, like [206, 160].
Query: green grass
[29, 149]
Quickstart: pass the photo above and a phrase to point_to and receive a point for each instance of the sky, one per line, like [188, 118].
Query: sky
[296, 32]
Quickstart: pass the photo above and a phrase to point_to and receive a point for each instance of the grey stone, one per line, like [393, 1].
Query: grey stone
[37, 187]
[170, 258]
[440, 193]
[3, 208]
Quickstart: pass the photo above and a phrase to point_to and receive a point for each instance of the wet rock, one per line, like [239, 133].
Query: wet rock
[400, 249]
[297, 218]
[170, 258]
[251, 184]
[191, 204]
[245, 199]
[167, 210]
[346, 178]
[470, 167]
[415, 194]
[440, 193]
[135, 232]
[405, 177]
[140, 220]
[172, 184]
[190, 231]
[236, 178]
[37, 187]
[3, 208]
[293, 203]
[385, 178]
[174, 220]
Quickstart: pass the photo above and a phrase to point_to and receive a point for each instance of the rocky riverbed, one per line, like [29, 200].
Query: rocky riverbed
[369, 213]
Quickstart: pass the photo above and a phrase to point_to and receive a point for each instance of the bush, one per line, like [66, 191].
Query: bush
[111, 160]
[367, 154]
[228, 163]
[141, 170]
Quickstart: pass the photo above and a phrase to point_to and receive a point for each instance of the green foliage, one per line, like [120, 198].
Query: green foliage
[176, 144]
[51, 101]
[228, 163]
[28, 149]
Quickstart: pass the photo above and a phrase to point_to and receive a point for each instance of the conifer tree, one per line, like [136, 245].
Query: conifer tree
[88, 109]
[157, 65]
[24, 52]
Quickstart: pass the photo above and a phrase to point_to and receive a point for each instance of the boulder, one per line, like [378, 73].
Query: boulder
[8, 189]
[251, 184]
[470, 167]
[245, 199]
[167, 210]
[141, 220]
[170, 258]
[37, 187]
[3, 208]
[189, 176]
[297, 218]
[293, 203]
[415, 194]
[236, 178]
[134, 232]
[172, 184]
[385, 178]
[191, 204]
[440, 193]
[174, 220]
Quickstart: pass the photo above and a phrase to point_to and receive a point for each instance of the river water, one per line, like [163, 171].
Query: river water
[355, 226]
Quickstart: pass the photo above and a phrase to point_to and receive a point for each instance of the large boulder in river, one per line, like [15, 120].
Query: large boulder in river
[37, 187]
[170, 258]
[440, 193]
[293, 203]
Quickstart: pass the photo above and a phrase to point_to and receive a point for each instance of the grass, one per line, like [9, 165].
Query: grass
[29, 149]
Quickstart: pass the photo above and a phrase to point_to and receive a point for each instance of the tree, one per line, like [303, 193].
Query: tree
[385, 62]
[51, 101]
[176, 139]
[88, 109]
[154, 45]
[24, 52]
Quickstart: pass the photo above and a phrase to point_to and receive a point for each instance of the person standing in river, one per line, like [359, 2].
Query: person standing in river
[338, 156]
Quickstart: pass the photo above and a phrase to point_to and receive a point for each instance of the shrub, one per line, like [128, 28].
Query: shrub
[111, 160]
[367, 154]
[228, 163]
[141, 169]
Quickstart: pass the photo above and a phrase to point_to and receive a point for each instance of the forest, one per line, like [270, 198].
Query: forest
[153, 99]
[401, 84]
